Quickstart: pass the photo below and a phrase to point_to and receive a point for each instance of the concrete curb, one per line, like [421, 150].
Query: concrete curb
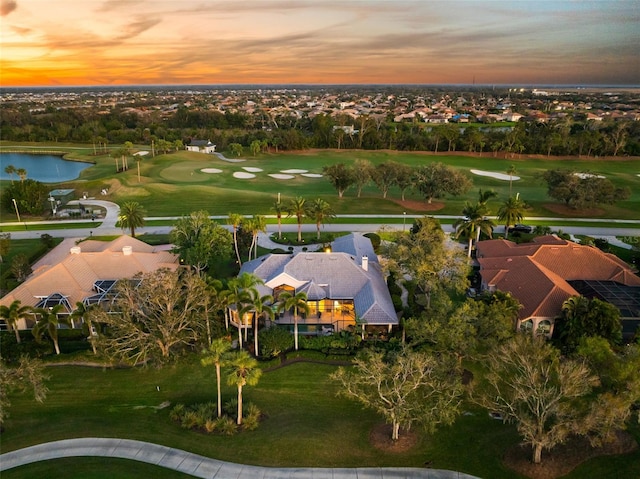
[200, 466]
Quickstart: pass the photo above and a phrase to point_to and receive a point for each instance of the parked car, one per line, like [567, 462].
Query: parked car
[520, 229]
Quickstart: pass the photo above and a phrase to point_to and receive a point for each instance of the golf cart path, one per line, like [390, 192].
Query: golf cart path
[201, 466]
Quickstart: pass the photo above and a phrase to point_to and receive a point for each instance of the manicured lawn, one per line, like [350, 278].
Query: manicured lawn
[175, 185]
[305, 423]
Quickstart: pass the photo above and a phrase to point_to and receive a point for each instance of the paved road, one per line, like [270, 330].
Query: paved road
[200, 466]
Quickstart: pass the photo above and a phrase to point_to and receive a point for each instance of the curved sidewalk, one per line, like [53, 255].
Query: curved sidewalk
[200, 466]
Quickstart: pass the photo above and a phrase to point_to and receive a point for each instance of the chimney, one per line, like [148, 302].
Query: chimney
[365, 263]
[127, 250]
[75, 250]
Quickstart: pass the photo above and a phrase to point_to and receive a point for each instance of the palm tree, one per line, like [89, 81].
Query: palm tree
[10, 170]
[511, 171]
[279, 209]
[84, 314]
[244, 371]
[298, 302]
[216, 355]
[259, 306]
[256, 225]
[320, 211]
[485, 196]
[22, 173]
[12, 314]
[131, 216]
[297, 208]
[49, 321]
[511, 212]
[240, 292]
[234, 220]
[473, 223]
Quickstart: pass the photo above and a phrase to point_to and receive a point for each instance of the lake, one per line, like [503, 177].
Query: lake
[44, 168]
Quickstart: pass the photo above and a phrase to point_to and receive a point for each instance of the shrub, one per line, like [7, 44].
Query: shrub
[375, 240]
[230, 408]
[190, 420]
[226, 426]
[274, 341]
[177, 412]
[210, 425]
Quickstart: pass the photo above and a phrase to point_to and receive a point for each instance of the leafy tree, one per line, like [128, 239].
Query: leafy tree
[28, 374]
[320, 211]
[12, 314]
[20, 267]
[582, 190]
[384, 176]
[297, 302]
[5, 245]
[236, 149]
[297, 208]
[341, 177]
[30, 195]
[131, 216]
[362, 172]
[511, 212]
[49, 320]
[584, 317]
[403, 178]
[216, 355]
[405, 387]
[255, 147]
[243, 371]
[153, 317]
[437, 179]
[547, 398]
[200, 241]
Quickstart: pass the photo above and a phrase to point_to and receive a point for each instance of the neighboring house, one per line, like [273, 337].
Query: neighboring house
[201, 146]
[546, 272]
[344, 287]
[86, 272]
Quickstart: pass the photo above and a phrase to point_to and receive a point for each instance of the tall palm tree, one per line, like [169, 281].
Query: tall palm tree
[511, 171]
[216, 355]
[239, 293]
[84, 314]
[49, 322]
[22, 173]
[278, 208]
[473, 223]
[320, 211]
[511, 212]
[235, 220]
[257, 225]
[259, 306]
[12, 314]
[10, 170]
[485, 196]
[297, 208]
[244, 371]
[131, 216]
[297, 302]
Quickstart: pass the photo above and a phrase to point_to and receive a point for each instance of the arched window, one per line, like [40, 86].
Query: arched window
[526, 326]
[544, 327]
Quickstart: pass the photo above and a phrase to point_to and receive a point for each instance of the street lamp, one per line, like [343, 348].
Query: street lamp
[16, 206]
[404, 220]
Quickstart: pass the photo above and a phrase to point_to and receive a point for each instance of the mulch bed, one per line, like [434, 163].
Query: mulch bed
[566, 457]
[380, 438]
[419, 205]
[564, 210]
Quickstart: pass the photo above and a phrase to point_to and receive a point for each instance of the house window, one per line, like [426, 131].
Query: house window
[526, 326]
[544, 327]
[278, 290]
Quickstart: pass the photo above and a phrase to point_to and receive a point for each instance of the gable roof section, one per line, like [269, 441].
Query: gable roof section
[73, 274]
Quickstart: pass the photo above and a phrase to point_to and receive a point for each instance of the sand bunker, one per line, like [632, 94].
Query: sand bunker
[294, 171]
[497, 176]
[280, 176]
[582, 176]
[211, 170]
[316, 175]
[252, 169]
[243, 175]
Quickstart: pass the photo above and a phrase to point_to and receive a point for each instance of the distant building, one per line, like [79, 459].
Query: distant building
[201, 146]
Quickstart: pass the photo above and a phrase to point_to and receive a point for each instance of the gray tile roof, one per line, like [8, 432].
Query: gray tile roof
[335, 275]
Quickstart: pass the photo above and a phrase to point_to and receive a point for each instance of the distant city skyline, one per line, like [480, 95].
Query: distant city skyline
[129, 42]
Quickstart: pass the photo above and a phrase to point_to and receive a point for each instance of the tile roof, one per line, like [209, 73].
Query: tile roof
[335, 275]
[537, 273]
[72, 273]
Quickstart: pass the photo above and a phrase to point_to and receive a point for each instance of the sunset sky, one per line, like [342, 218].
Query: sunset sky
[112, 42]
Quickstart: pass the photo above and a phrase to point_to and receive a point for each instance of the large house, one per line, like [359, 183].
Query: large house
[201, 146]
[344, 287]
[546, 272]
[86, 272]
